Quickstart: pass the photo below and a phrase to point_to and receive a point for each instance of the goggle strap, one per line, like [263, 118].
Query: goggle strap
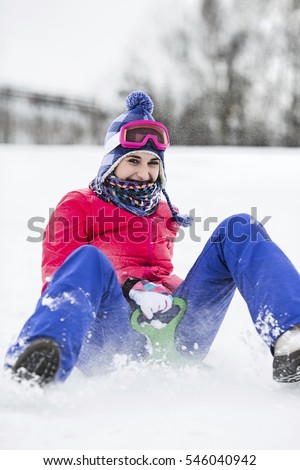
[112, 143]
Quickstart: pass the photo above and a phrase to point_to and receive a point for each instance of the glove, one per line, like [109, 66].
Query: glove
[151, 302]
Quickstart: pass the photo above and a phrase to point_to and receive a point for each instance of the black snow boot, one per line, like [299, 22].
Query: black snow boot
[286, 364]
[38, 363]
[287, 368]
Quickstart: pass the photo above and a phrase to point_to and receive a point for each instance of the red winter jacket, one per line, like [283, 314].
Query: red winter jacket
[138, 247]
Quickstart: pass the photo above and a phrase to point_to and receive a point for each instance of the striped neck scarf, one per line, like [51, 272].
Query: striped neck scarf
[140, 198]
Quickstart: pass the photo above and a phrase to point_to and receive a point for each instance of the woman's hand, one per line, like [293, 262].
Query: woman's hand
[151, 302]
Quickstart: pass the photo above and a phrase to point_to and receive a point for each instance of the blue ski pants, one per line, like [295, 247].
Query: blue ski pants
[83, 308]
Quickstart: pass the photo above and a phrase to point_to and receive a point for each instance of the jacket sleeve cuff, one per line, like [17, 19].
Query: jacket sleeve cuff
[128, 285]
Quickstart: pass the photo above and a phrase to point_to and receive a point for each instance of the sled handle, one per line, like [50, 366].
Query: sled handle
[147, 329]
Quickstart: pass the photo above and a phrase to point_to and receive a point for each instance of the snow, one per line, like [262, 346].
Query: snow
[228, 402]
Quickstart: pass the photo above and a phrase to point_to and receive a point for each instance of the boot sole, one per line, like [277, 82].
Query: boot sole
[38, 363]
[286, 368]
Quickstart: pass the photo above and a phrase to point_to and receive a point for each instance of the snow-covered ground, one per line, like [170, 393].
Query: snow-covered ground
[231, 402]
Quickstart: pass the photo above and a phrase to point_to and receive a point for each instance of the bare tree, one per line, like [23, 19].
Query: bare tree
[232, 72]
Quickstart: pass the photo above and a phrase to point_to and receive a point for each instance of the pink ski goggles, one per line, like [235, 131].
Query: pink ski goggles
[136, 134]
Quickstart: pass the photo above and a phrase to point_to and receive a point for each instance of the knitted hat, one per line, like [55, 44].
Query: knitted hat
[139, 106]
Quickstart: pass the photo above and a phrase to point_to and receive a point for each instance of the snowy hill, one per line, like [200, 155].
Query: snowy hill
[231, 402]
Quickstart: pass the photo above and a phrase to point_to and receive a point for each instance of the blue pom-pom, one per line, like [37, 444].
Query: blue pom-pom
[139, 98]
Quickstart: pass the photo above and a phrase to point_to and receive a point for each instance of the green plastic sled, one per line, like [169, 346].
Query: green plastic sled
[162, 339]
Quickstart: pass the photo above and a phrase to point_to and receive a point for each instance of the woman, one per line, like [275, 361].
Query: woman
[108, 249]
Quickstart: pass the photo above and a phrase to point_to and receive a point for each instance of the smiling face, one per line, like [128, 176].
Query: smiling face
[139, 166]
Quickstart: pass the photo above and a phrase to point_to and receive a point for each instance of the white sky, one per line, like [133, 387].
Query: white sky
[72, 46]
